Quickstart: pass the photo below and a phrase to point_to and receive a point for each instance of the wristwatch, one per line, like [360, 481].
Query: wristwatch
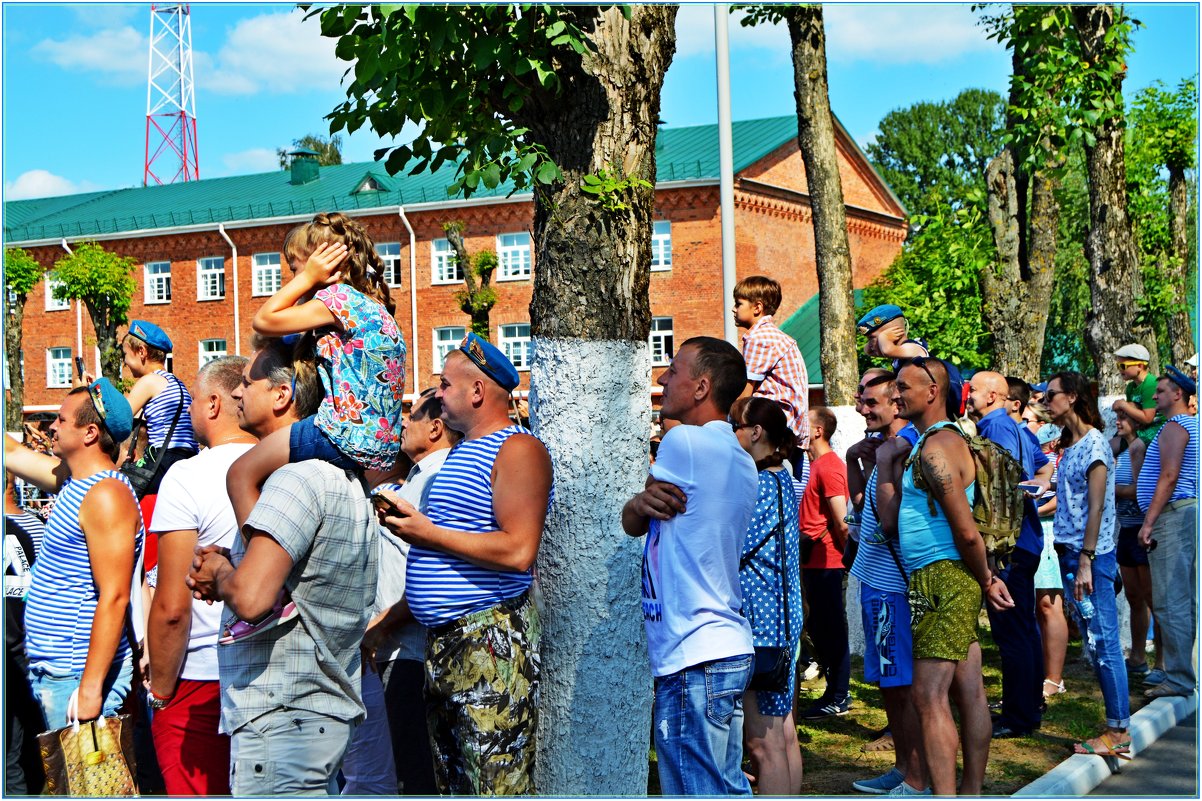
[1088, 552]
[157, 701]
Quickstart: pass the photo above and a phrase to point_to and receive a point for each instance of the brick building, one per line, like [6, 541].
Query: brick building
[209, 251]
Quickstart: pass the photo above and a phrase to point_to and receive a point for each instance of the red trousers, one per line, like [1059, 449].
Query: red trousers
[194, 758]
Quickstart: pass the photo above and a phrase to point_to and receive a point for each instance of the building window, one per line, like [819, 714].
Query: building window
[210, 278]
[211, 349]
[390, 253]
[513, 255]
[51, 303]
[158, 281]
[446, 266]
[265, 274]
[58, 367]
[660, 340]
[515, 344]
[661, 245]
[445, 341]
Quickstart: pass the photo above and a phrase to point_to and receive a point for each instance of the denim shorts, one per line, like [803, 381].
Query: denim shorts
[52, 691]
[888, 641]
[306, 441]
[1128, 551]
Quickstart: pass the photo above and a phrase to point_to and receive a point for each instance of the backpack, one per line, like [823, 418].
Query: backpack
[998, 506]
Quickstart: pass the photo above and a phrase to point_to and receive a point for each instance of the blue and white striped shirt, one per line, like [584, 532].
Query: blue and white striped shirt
[160, 411]
[1127, 509]
[1187, 479]
[441, 587]
[62, 597]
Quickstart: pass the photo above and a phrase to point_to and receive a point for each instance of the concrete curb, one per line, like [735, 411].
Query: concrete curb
[1081, 773]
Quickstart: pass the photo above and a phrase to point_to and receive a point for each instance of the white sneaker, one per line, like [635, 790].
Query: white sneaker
[811, 672]
[905, 789]
[881, 784]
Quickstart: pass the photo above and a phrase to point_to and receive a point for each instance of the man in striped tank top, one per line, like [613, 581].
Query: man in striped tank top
[1167, 492]
[468, 578]
[75, 613]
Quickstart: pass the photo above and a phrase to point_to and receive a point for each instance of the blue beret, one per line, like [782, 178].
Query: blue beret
[490, 360]
[151, 334]
[114, 409]
[878, 317]
[1042, 386]
[1182, 380]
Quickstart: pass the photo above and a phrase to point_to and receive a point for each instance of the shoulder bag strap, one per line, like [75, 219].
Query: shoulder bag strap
[179, 410]
[780, 550]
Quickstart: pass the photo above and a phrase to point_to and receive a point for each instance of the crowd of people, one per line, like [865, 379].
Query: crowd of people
[301, 590]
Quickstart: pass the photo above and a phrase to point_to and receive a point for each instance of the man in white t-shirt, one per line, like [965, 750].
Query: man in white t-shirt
[695, 511]
[193, 509]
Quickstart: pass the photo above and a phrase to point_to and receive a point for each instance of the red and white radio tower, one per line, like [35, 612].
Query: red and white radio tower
[171, 154]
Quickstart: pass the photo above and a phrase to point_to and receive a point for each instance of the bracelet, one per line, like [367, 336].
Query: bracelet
[162, 697]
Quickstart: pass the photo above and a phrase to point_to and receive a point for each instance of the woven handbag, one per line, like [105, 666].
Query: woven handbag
[95, 758]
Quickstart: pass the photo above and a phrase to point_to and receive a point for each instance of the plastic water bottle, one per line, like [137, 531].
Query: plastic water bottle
[1085, 605]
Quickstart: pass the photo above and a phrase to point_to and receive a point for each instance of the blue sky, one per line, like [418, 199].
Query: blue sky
[74, 79]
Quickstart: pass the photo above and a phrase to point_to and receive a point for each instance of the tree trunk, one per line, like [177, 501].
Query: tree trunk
[112, 360]
[476, 300]
[1016, 291]
[15, 402]
[1114, 277]
[590, 317]
[816, 139]
[1181, 338]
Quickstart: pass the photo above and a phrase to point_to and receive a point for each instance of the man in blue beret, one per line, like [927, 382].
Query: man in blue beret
[79, 656]
[887, 332]
[468, 579]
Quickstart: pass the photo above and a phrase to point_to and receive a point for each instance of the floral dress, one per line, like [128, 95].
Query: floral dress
[362, 366]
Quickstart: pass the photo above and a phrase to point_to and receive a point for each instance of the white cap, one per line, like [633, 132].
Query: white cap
[1192, 361]
[1135, 352]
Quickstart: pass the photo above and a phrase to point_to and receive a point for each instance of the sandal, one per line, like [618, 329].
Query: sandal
[880, 744]
[1057, 688]
[1112, 749]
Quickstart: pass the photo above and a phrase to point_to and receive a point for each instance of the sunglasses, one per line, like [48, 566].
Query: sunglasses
[1048, 395]
[735, 425]
[921, 362]
[1129, 364]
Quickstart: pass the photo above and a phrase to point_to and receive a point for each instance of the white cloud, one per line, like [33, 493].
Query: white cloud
[43, 183]
[118, 54]
[279, 53]
[891, 33]
[903, 34]
[111, 15]
[248, 162]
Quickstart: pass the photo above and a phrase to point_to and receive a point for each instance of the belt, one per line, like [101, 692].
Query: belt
[508, 605]
[1181, 503]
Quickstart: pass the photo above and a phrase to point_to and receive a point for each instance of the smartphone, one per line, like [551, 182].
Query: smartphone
[386, 506]
[79, 366]
[1031, 489]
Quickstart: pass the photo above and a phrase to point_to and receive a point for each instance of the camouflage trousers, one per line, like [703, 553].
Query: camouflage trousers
[482, 698]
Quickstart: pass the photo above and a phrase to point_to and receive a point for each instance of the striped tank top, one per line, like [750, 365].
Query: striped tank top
[160, 411]
[441, 587]
[62, 594]
[1187, 479]
[1127, 509]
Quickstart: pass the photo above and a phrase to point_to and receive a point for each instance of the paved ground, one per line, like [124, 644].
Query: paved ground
[1169, 767]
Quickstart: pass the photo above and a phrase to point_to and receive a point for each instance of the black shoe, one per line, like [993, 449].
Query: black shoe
[826, 709]
[1003, 732]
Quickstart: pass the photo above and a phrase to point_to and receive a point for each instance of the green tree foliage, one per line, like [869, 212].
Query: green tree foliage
[505, 60]
[936, 152]
[105, 283]
[22, 272]
[478, 296]
[1064, 346]
[936, 281]
[327, 148]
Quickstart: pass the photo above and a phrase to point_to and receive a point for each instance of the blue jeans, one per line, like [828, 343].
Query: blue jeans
[1101, 633]
[52, 691]
[699, 728]
[288, 752]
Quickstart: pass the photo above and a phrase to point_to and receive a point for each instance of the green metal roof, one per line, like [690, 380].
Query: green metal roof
[805, 327]
[681, 154]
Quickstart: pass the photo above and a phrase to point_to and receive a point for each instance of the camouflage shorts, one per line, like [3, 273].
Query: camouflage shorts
[482, 697]
[945, 601]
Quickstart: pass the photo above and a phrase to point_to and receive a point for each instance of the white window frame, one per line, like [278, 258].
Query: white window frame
[444, 344]
[513, 258]
[155, 283]
[666, 338]
[509, 340]
[207, 352]
[661, 246]
[51, 303]
[390, 254]
[261, 285]
[58, 367]
[204, 269]
[442, 261]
